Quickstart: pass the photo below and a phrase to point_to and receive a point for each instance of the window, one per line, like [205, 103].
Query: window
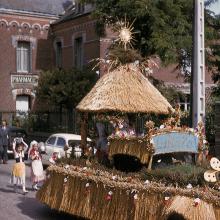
[58, 54]
[185, 102]
[61, 142]
[22, 103]
[51, 140]
[23, 57]
[78, 52]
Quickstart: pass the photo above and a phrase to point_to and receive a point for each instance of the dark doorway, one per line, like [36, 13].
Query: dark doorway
[127, 163]
[175, 216]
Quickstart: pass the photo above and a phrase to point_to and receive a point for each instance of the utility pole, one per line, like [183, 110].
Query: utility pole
[198, 80]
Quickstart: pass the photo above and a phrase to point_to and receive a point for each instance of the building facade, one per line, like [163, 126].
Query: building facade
[24, 50]
[75, 42]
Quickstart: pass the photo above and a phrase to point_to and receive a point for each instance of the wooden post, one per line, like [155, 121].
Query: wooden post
[83, 131]
[150, 162]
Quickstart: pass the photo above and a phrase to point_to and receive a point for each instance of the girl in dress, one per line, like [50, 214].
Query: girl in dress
[37, 173]
[18, 169]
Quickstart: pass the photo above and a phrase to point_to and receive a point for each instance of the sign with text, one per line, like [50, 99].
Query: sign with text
[173, 142]
[24, 79]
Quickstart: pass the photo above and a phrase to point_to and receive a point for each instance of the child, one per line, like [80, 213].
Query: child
[55, 156]
[18, 169]
[37, 172]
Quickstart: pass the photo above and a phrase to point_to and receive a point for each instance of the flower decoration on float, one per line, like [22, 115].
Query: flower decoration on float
[167, 198]
[109, 196]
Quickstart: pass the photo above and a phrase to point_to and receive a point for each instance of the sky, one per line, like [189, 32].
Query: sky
[216, 7]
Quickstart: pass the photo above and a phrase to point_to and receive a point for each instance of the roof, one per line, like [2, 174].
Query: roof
[49, 7]
[70, 136]
[172, 74]
[125, 89]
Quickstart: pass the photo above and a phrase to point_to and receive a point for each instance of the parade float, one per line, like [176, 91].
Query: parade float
[101, 193]
[96, 192]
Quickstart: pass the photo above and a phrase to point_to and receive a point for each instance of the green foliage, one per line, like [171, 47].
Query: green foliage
[65, 87]
[181, 175]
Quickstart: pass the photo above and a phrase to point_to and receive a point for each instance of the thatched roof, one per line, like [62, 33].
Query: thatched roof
[125, 89]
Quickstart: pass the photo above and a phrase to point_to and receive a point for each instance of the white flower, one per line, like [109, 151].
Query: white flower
[110, 193]
[162, 126]
[87, 184]
[136, 62]
[67, 166]
[136, 196]
[65, 179]
[114, 177]
[189, 186]
[146, 182]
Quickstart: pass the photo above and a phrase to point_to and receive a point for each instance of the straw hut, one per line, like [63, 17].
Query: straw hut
[125, 89]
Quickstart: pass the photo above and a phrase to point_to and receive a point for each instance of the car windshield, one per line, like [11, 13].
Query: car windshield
[51, 140]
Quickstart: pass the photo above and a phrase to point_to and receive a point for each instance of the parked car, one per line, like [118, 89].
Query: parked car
[15, 132]
[57, 143]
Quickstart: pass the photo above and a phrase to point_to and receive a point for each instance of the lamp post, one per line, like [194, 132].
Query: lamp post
[198, 80]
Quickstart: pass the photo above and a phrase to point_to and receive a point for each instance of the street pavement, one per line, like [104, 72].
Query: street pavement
[23, 207]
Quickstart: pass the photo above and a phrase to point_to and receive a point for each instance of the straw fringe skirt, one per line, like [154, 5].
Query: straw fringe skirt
[18, 173]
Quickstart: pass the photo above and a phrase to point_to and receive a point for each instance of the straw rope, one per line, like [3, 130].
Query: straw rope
[66, 190]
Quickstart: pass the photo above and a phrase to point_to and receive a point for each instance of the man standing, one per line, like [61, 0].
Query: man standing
[4, 130]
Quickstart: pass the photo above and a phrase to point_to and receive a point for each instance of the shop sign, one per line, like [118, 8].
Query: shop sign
[24, 79]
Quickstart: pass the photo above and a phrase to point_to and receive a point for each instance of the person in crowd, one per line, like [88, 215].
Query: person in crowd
[18, 169]
[102, 143]
[4, 136]
[37, 172]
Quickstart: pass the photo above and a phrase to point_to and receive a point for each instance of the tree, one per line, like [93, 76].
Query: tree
[65, 88]
[162, 27]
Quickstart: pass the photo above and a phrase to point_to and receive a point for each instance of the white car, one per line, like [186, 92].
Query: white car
[56, 143]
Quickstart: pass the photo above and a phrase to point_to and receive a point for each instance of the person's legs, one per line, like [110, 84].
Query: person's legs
[5, 154]
[1, 153]
[23, 185]
[35, 186]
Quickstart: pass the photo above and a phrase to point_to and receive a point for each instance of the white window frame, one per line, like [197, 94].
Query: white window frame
[23, 57]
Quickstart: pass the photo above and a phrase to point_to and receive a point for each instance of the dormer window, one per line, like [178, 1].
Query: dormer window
[80, 8]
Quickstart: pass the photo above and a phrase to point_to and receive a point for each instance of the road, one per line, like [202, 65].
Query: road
[23, 207]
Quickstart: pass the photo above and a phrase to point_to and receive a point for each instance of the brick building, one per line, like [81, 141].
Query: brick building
[24, 50]
[74, 39]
